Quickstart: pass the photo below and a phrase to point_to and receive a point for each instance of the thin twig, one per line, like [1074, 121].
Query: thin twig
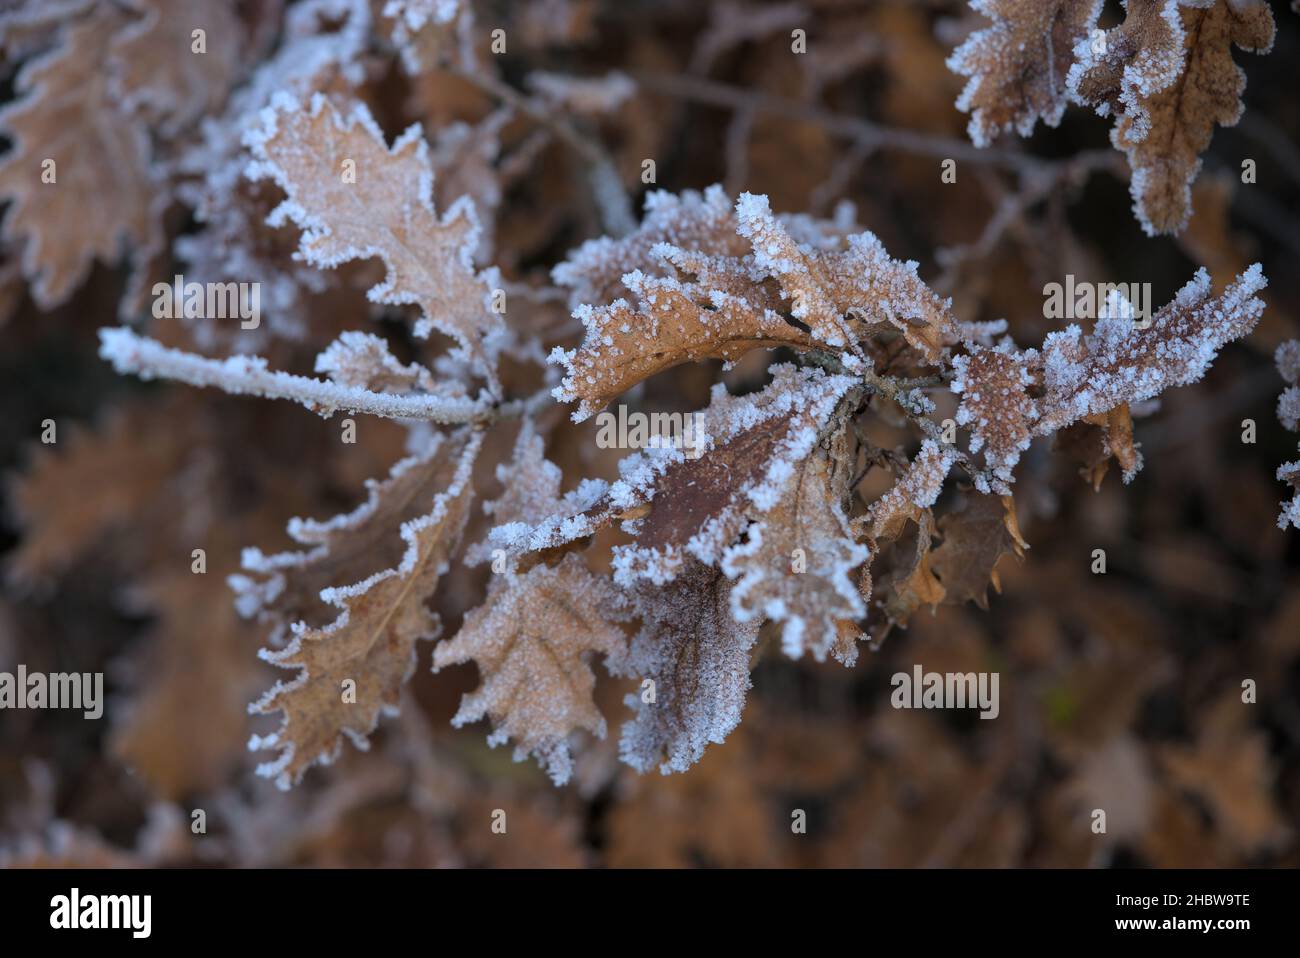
[894, 390]
[1036, 185]
[607, 189]
[855, 128]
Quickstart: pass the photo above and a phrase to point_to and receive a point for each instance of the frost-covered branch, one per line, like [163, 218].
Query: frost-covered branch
[249, 375]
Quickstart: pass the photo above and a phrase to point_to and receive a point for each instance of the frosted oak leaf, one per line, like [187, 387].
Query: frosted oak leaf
[531, 640]
[1169, 75]
[916, 490]
[534, 520]
[286, 587]
[801, 284]
[1017, 66]
[763, 503]
[705, 222]
[996, 404]
[841, 294]
[795, 561]
[672, 323]
[697, 655]
[1009, 396]
[1116, 71]
[384, 209]
[371, 643]
[1123, 363]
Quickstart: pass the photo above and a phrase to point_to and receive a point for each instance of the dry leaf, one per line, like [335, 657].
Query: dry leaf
[530, 640]
[355, 198]
[106, 197]
[695, 657]
[353, 669]
[1017, 66]
[973, 542]
[1168, 74]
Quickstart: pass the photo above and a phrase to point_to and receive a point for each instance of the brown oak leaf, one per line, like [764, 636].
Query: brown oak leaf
[1018, 65]
[132, 465]
[353, 669]
[1169, 75]
[286, 588]
[671, 324]
[355, 198]
[973, 542]
[531, 639]
[102, 195]
[696, 657]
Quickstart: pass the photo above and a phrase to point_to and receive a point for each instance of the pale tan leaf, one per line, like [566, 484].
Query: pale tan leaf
[312, 152]
[163, 77]
[531, 640]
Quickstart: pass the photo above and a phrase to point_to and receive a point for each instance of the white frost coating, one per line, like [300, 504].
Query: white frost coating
[579, 94]
[1120, 363]
[776, 251]
[1084, 375]
[248, 375]
[1288, 408]
[829, 562]
[277, 769]
[1287, 358]
[412, 16]
[477, 329]
[1153, 69]
[919, 487]
[692, 224]
[981, 333]
[996, 404]
[995, 43]
[669, 218]
[363, 360]
[1290, 516]
[1288, 411]
[698, 658]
